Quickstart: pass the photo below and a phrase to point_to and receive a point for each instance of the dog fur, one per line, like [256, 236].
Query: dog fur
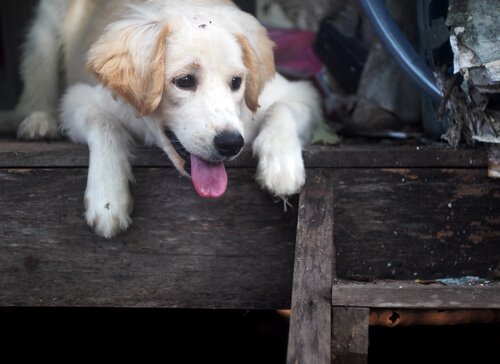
[134, 69]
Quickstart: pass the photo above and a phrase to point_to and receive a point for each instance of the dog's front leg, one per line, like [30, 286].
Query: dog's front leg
[86, 119]
[289, 114]
[108, 202]
[278, 148]
[35, 114]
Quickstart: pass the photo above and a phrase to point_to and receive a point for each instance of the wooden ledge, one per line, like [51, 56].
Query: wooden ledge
[15, 153]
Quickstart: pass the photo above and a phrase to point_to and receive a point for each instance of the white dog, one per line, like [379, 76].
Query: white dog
[195, 77]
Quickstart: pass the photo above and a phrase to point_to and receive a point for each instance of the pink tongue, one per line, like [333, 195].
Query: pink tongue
[209, 179]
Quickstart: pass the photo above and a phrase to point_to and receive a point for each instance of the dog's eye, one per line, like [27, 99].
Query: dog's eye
[186, 82]
[236, 83]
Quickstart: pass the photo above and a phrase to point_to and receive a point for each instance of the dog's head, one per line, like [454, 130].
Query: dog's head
[195, 73]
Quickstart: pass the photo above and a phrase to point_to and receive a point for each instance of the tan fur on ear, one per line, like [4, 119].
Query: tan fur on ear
[260, 62]
[114, 63]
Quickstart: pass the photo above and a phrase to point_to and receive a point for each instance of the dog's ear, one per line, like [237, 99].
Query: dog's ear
[258, 58]
[129, 59]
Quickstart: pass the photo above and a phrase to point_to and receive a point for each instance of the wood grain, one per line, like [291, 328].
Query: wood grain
[425, 223]
[350, 335]
[397, 223]
[64, 154]
[405, 294]
[310, 324]
[181, 251]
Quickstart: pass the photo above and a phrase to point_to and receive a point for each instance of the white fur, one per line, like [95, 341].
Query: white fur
[203, 41]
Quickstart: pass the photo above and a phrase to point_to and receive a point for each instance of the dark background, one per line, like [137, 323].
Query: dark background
[218, 336]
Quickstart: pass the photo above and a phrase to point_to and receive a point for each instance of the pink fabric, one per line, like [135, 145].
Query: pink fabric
[294, 52]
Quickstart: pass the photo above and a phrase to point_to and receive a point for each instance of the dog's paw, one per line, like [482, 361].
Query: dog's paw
[38, 125]
[281, 175]
[108, 216]
[280, 170]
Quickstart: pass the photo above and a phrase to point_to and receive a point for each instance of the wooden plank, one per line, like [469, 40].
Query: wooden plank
[350, 335]
[405, 294]
[416, 223]
[391, 224]
[63, 154]
[181, 251]
[310, 323]
[394, 156]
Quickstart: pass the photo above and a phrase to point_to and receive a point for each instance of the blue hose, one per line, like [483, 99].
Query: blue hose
[400, 48]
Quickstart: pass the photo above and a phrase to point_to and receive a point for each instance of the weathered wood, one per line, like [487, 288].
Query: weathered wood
[64, 154]
[416, 223]
[181, 251]
[408, 317]
[390, 223]
[405, 294]
[309, 338]
[350, 335]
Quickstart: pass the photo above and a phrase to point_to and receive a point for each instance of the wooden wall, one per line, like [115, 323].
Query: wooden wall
[401, 213]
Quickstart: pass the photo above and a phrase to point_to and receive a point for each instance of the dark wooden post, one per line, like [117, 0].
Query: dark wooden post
[350, 335]
[310, 324]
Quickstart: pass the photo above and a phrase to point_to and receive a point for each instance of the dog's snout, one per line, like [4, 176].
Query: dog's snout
[228, 143]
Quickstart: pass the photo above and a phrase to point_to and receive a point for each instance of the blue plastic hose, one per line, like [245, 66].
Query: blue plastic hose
[400, 48]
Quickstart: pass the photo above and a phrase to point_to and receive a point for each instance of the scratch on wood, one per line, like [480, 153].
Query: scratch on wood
[465, 190]
[404, 172]
[475, 238]
[443, 234]
[483, 232]
[493, 220]
[19, 170]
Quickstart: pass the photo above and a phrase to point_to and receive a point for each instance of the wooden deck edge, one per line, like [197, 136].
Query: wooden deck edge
[63, 154]
[310, 323]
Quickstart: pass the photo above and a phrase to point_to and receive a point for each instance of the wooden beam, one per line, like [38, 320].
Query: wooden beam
[310, 323]
[65, 154]
[350, 335]
[405, 294]
[180, 252]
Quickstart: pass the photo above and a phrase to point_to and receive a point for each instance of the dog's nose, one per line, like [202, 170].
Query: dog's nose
[228, 143]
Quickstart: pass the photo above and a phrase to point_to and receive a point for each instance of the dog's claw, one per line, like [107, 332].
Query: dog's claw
[286, 204]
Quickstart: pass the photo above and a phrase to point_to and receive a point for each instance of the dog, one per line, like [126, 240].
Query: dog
[194, 77]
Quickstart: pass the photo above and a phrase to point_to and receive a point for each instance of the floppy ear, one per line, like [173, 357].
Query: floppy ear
[129, 59]
[258, 58]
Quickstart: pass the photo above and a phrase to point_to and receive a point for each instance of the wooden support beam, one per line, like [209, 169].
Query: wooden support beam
[309, 339]
[404, 294]
[350, 335]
